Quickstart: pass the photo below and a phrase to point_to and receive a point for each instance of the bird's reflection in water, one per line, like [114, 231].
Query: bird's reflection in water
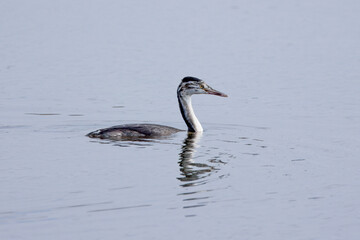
[195, 173]
[191, 171]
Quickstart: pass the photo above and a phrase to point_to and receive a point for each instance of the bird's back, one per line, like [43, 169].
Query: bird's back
[133, 131]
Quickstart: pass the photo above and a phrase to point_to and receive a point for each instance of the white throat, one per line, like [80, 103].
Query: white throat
[188, 114]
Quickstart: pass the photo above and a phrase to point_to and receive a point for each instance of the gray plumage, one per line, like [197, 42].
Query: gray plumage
[133, 131]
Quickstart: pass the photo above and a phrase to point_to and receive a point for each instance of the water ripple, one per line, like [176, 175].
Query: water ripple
[120, 208]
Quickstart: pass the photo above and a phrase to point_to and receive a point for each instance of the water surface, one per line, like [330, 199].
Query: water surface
[278, 159]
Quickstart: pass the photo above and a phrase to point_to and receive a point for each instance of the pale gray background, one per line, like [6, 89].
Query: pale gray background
[281, 154]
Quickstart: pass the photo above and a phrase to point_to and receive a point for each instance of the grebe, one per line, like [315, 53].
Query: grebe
[187, 87]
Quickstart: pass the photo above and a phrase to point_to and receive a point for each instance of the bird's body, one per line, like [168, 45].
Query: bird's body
[187, 87]
[134, 131]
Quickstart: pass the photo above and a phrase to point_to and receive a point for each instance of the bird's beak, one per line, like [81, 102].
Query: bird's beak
[212, 91]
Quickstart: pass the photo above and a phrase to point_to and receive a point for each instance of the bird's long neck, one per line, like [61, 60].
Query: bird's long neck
[188, 114]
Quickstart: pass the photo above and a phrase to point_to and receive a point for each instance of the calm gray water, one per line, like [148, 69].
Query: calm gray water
[279, 158]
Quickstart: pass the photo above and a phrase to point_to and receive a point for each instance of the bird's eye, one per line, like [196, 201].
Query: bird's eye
[202, 86]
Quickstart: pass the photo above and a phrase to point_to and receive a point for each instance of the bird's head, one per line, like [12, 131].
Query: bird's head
[192, 85]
